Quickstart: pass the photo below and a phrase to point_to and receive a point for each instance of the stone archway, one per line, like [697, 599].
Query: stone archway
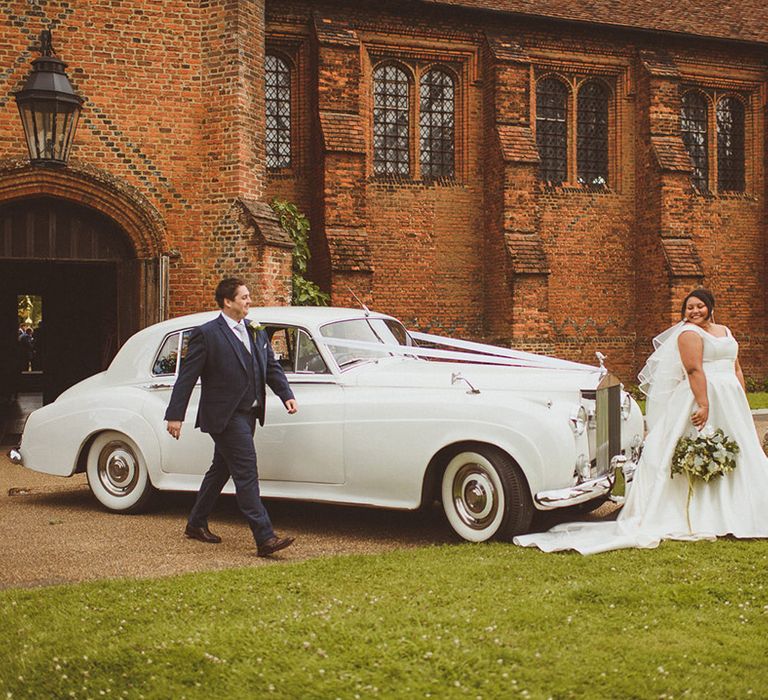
[93, 248]
[93, 188]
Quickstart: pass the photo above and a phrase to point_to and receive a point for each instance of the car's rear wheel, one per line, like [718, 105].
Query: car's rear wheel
[485, 495]
[117, 473]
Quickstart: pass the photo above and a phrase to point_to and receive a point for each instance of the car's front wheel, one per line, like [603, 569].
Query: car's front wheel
[485, 495]
[117, 473]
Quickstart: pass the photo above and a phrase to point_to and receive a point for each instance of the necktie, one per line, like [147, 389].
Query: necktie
[243, 333]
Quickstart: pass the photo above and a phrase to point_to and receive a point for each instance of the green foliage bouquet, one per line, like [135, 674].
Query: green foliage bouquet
[707, 455]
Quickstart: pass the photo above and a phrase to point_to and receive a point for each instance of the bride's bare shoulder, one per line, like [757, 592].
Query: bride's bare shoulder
[690, 339]
[688, 329]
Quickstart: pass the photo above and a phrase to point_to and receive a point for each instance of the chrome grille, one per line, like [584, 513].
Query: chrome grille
[608, 419]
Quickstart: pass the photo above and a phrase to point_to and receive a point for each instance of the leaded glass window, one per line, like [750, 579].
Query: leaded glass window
[592, 134]
[391, 121]
[436, 125]
[552, 129]
[693, 126]
[277, 78]
[730, 145]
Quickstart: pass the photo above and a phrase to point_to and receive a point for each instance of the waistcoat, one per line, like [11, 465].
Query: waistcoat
[254, 377]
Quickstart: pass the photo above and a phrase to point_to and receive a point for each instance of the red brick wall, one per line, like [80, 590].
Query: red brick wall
[174, 97]
[174, 114]
[499, 256]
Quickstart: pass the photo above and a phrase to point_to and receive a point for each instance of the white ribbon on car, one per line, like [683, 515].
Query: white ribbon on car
[475, 353]
[523, 359]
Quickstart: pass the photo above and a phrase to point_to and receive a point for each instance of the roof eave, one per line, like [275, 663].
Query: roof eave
[753, 43]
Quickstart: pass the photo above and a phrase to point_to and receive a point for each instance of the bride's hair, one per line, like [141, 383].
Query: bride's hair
[704, 295]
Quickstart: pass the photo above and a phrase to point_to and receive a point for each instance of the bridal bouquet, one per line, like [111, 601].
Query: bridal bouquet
[707, 455]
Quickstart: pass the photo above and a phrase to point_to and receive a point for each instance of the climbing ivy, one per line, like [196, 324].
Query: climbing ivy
[296, 225]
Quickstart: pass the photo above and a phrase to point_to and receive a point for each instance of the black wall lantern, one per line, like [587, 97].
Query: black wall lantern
[49, 108]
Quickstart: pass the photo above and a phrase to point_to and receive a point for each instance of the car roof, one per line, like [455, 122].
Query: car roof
[298, 315]
[137, 353]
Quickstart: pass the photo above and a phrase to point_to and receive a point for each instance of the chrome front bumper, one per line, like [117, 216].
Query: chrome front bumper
[589, 490]
[15, 456]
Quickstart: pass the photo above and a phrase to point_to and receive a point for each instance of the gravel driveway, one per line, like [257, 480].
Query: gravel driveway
[54, 531]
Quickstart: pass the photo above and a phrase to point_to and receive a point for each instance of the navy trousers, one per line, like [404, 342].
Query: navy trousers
[235, 456]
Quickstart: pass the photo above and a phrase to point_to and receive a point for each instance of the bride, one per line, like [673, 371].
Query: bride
[693, 379]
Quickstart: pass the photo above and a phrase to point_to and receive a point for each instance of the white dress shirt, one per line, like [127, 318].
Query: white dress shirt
[239, 330]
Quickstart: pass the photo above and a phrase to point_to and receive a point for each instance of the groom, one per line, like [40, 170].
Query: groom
[234, 362]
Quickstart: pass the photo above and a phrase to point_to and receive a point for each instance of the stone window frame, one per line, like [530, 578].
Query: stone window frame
[720, 155]
[574, 80]
[416, 64]
[713, 97]
[290, 52]
[452, 150]
[706, 168]
[581, 159]
[566, 93]
[411, 114]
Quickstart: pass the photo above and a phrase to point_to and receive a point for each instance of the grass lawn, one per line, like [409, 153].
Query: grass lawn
[758, 399]
[463, 621]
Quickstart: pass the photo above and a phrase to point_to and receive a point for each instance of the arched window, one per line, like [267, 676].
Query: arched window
[592, 133]
[391, 121]
[277, 79]
[730, 145]
[693, 126]
[436, 125]
[552, 129]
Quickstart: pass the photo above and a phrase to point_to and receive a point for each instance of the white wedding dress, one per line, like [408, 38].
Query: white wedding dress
[735, 504]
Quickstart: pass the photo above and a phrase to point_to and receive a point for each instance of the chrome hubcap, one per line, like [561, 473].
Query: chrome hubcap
[474, 496]
[118, 468]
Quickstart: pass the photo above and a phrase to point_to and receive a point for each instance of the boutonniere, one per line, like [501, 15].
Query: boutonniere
[254, 328]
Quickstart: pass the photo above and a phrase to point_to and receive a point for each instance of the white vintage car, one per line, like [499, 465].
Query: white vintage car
[386, 418]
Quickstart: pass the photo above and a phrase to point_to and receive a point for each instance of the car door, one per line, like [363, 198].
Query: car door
[307, 446]
[192, 453]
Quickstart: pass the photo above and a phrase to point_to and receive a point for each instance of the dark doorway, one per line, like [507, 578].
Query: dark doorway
[81, 265]
[78, 336]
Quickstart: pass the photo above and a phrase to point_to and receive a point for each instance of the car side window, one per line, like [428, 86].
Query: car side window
[167, 361]
[296, 351]
[282, 343]
[308, 357]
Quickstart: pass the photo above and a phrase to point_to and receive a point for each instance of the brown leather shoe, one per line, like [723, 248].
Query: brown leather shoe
[201, 533]
[274, 544]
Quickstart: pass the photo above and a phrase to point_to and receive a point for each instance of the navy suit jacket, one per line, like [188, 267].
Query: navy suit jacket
[214, 358]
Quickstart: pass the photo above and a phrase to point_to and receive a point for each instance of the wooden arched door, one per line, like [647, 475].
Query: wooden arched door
[95, 292]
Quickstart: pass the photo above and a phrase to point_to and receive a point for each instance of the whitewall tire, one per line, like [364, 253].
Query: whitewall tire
[117, 473]
[485, 495]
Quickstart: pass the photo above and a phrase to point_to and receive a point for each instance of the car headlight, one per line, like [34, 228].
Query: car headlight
[626, 407]
[578, 420]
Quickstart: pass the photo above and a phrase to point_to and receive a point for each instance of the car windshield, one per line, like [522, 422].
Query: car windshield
[369, 330]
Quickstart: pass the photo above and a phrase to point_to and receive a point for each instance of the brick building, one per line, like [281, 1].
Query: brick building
[545, 175]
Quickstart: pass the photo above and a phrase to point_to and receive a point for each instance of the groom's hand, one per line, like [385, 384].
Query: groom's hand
[291, 406]
[174, 428]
